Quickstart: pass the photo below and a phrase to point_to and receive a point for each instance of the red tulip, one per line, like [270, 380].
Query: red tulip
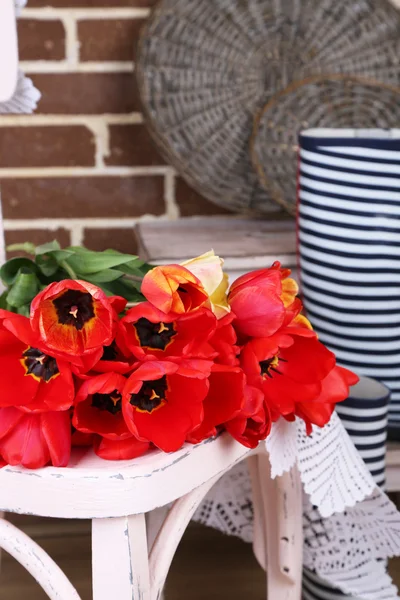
[98, 407]
[163, 401]
[29, 375]
[34, 440]
[254, 422]
[264, 301]
[172, 288]
[335, 388]
[150, 334]
[223, 402]
[222, 345]
[296, 373]
[73, 317]
[109, 359]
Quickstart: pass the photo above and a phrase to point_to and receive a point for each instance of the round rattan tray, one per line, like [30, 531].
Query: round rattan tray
[206, 67]
[338, 101]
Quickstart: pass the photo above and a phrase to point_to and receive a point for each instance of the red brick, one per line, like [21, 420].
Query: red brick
[65, 146]
[76, 197]
[41, 40]
[87, 93]
[37, 237]
[123, 240]
[106, 40]
[132, 145]
[192, 203]
[93, 3]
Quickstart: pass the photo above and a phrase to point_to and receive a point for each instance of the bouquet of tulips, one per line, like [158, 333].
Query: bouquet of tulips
[101, 349]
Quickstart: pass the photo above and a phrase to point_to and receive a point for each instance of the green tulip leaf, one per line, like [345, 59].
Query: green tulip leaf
[104, 276]
[24, 289]
[11, 269]
[3, 300]
[46, 248]
[122, 288]
[47, 264]
[24, 310]
[88, 262]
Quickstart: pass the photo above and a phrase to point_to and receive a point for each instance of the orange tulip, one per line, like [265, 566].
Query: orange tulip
[208, 268]
[172, 288]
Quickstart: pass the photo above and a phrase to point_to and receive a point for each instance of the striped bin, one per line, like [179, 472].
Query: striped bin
[349, 249]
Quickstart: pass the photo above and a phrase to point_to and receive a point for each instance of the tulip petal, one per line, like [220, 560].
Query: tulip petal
[56, 431]
[120, 449]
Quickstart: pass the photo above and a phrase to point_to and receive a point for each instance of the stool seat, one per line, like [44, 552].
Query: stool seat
[91, 487]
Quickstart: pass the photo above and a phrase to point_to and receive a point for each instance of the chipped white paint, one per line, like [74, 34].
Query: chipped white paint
[2, 516]
[116, 496]
[282, 511]
[120, 559]
[35, 560]
[93, 488]
[171, 533]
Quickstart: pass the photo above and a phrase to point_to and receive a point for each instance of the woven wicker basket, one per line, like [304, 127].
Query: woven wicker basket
[338, 101]
[205, 67]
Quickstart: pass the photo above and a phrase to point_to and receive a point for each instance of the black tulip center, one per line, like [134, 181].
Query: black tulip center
[154, 335]
[151, 395]
[74, 308]
[110, 402]
[270, 366]
[110, 352]
[39, 365]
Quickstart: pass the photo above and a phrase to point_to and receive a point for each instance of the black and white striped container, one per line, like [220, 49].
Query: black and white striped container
[364, 415]
[349, 248]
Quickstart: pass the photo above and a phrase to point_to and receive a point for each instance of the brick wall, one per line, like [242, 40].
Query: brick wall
[83, 168]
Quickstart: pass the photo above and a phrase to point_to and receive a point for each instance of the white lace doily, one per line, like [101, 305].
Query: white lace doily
[350, 525]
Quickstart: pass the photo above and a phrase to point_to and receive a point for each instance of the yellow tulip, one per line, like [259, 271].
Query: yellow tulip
[208, 269]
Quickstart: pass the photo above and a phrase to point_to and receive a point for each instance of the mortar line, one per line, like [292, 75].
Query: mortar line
[48, 120]
[52, 172]
[64, 66]
[50, 13]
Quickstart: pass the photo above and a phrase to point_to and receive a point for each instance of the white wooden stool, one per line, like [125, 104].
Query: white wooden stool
[116, 496]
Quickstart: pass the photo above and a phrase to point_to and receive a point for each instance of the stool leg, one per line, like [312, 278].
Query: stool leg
[120, 562]
[259, 549]
[154, 521]
[283, 515]
[35, 560]
[2, 516]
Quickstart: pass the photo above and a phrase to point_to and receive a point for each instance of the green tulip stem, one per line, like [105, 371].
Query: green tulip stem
[68, 269]
[25, 247]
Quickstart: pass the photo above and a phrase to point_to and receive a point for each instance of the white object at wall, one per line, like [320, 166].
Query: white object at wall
[8, 50]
